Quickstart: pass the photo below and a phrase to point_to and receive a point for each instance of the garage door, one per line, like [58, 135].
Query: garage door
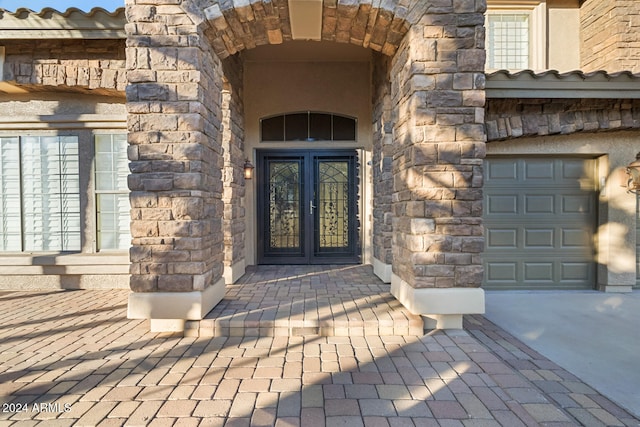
[540, 215]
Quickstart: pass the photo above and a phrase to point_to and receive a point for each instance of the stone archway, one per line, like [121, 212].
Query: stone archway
[429, 116]
[380, 26]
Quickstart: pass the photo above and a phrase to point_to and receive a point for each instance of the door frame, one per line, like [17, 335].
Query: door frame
[308, 221]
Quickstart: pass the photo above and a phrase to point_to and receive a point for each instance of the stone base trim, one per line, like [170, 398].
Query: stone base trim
[442, 321]
[233, 272]
[166, 325]
[443, 306]
[174, 307]
[382, 270]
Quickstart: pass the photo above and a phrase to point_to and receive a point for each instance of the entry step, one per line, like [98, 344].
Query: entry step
[325, 300]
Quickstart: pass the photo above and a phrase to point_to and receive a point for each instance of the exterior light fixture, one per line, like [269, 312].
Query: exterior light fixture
[248, 169]
[633, 170]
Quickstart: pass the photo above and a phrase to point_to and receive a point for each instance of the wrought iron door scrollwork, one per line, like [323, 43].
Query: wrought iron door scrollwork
[284, 199]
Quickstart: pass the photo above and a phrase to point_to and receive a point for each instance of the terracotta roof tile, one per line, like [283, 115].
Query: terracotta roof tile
[24, 12]
[73, 23]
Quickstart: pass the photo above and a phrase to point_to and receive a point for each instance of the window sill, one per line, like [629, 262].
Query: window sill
[16, 259]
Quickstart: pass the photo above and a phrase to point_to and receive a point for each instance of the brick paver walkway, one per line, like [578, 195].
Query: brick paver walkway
[72, 358]
[327, 300]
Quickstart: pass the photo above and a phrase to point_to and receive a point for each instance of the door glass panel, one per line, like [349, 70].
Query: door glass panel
[284, 205]
[332, 200]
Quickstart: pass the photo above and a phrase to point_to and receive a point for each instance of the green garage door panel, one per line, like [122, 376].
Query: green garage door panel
[637, 286]
[540, 215]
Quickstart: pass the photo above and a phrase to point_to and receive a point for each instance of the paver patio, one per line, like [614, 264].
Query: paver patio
[72, 358]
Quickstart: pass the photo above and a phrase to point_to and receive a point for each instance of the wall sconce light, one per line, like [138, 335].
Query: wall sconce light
[633, 170]
[248, 169]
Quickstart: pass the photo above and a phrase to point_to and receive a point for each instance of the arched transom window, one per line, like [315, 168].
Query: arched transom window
[308, 126]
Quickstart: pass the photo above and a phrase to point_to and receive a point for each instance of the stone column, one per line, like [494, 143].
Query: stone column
[382, 172]
[233, 223]
[439, 142]
[173, 102]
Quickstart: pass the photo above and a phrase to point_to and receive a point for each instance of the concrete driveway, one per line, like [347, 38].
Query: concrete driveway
[593, 335]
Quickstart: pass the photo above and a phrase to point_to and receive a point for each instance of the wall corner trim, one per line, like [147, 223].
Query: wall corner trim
[382, 270]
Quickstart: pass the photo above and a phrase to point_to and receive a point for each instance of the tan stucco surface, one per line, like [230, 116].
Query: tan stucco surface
[564, 36]
[52, 104]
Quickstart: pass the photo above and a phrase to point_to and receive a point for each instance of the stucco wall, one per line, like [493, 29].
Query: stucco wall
[342, 88]
[563, 20]
[55, 104]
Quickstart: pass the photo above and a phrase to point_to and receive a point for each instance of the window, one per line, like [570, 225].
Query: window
[40, 194]
[112, 193]
[308, 126]
[516, 35]
[508, 41]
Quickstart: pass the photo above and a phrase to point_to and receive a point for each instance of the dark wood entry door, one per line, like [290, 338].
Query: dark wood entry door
[307, 207]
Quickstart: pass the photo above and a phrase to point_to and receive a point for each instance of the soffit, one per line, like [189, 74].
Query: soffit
[553, 84]
[50, 23]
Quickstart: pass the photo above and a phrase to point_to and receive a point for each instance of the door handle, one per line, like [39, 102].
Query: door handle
[311, 206]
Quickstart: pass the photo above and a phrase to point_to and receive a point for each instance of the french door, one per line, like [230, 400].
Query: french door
[307, 207]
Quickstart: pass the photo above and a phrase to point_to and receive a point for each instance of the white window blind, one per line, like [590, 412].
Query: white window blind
[112, 194]
[508, 41]
[41, 195]
[11, 226]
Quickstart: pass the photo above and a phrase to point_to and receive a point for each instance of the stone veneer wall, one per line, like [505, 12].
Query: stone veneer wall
[382, 160]
[98, 65]
[174, 104]
[233, 223]
[513, 118]
[610, 35]
[439, 141]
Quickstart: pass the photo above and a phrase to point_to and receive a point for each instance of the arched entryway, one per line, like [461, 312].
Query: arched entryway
[190, 126]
